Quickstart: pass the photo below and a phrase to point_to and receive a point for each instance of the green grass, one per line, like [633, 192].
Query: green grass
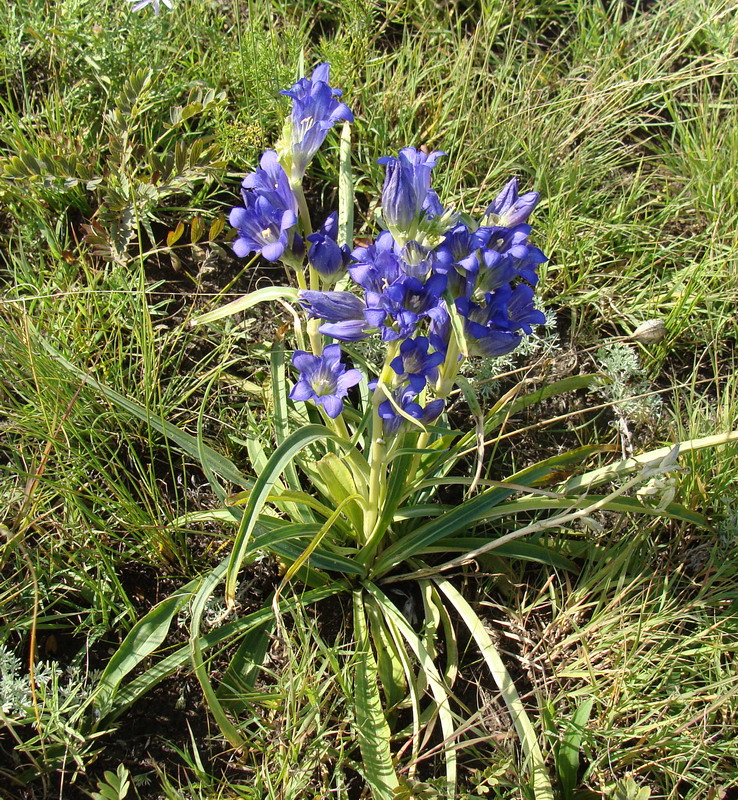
[622, 115]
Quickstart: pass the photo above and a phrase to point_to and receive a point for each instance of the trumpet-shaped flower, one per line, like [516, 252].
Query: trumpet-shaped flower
[261, 228]
[323, 379]
[377, 266]
[271, 182]
[508, 208]
[460, 247]
[315, 110]
[407, 186]
[416, 364]
[408, 301]
[268, 213]
[324, 254]
[392, 421]
[344, 313]
[417, 261]
[492, 329]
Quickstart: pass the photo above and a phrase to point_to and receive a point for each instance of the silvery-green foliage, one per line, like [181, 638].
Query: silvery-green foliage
[58, 691]
[624, 380]
[14, 690]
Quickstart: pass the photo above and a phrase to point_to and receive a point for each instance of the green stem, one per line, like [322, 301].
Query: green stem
[316, 338]
[444, 386]
[450, 368]
[299, 274]
[377, 470]
[302, 209]
[377, 461]
[307, 228]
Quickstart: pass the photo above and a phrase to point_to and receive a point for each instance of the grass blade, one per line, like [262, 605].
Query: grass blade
[371, 725]
[523, 726]
[188, 444]
[265, 295]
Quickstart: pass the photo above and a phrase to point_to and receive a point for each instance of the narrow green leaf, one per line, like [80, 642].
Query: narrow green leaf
[568, 754]
[321, 559]
[142, 640]
[441, 693]
[265, 295]
[371, 726]
[281, 426]
[422, 510]
[316, 540]
[204, 593]
[390, 668]
[203, 456]
[139, 686]
[345, 190]
[461, 518]
[287, 498]
[525, 730]
[244, 666]
[218, 463]
[614, 471]
[527, 551]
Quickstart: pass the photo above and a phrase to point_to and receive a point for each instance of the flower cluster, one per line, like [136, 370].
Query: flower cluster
[315, 110]
[481, 274]
[266, 222]
[434, 288]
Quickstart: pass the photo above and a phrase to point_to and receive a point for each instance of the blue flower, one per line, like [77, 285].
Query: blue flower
[407, 186]
[323, 379]
[521, 311]
[261, 227]
[345, 314]
[271, 182]
[315, 111]
[377, 266]
[492, 329]
[416, 363]
[513, 242]
[269, 212]
[495, 271]
[487, 329]
[459, 248]
[392, 421]
[408, 301]
[508, 208]
[325, 255]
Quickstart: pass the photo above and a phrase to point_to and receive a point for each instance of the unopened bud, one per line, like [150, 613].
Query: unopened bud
[649, 332]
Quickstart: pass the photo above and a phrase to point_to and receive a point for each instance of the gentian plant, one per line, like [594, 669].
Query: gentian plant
[353, 497]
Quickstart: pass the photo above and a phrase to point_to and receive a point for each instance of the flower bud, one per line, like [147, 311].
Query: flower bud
[650, 332]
